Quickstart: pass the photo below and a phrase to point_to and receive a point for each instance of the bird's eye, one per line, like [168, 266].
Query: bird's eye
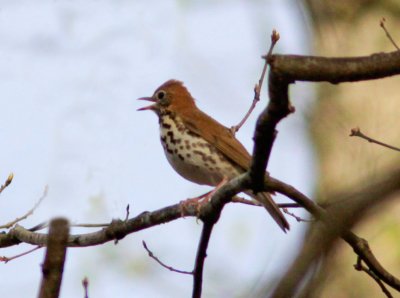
[162, 98]
[160, 94]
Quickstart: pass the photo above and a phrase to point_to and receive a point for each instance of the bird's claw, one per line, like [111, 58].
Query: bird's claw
[198, 202]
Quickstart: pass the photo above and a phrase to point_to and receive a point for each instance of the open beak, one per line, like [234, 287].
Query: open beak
[150, 107]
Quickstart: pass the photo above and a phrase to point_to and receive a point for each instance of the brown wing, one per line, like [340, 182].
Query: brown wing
[221, 137]
[218, 135]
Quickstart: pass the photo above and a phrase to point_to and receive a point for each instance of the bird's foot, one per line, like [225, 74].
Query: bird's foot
[197, 202]
[200, 201]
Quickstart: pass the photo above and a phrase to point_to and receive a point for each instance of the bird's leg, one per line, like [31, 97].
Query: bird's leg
[200, 201]
[210, 194]
[185, 204]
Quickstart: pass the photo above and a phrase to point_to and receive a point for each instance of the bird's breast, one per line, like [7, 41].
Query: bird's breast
[192, 156]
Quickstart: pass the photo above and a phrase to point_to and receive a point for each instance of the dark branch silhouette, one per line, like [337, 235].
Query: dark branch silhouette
[53, 265]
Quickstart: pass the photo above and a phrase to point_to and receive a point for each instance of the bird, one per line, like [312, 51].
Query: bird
[198, 147]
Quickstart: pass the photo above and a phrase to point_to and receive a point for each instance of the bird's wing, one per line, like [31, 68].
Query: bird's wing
[218, 135]
[222, 138]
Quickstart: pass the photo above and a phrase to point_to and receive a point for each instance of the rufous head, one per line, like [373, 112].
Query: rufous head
[171, 96]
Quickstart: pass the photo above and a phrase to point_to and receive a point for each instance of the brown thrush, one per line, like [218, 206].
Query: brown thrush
[198, 147]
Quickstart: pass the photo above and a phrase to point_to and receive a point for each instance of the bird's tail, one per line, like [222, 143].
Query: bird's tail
[273, 209]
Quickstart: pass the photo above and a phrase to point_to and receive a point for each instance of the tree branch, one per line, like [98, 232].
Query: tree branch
[356, 132]
[27, 214]
[200, 258]
[118, 229]
[210, 214]
[336, 222]
[336, 70]
[360, 267]
[54, 261]
[357, 203]
[265, 131]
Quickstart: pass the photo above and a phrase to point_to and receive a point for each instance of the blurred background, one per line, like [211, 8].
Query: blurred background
[70, 72]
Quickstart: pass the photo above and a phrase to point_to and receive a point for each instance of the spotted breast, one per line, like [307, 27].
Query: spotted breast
[191, 156]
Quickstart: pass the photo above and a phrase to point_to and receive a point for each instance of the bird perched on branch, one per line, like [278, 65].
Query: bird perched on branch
[198, 147]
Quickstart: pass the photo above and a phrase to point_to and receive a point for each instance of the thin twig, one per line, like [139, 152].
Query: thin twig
[289, 205]
[44, 225]
[356, 132]
[7, 182]
[382, 24]
[85, 284]
[298, 218]
[29, 213]
[88, 225]
[257, 87]
[200, 258]
[8, 259]
[127, 213]
[151, 255]
[237, 199]
[360, 267]
[76, 225]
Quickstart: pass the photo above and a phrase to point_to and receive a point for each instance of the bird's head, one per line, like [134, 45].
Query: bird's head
[171, 96]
